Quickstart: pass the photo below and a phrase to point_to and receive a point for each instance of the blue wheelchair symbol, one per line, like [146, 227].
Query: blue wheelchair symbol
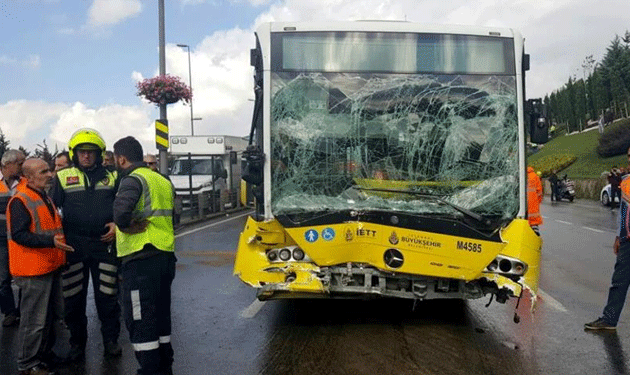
[311, 235]
[328, 234]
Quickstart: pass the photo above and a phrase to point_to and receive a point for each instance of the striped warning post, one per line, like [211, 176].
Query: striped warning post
[161, 134]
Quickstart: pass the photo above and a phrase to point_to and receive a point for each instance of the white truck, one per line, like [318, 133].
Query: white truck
[203, 164]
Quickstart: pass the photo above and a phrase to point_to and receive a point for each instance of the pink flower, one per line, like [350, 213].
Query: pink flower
[164, 89]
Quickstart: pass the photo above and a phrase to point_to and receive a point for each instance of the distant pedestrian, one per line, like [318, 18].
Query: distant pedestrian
[62, 161]
[614, 179]
[11, 167]
[37, 251]
[143, 213]
[151, 162]
[601, 124]
[553, 181]
[534, 197]
[621, 274]
[108, 161]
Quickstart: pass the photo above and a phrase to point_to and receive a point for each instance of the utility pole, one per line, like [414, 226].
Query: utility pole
[163, 153]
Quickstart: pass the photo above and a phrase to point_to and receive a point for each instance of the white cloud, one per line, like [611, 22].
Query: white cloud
[27, 123]
[21, 119]
[110, 12]
[33, 62]
[113, 121]
[558, 36]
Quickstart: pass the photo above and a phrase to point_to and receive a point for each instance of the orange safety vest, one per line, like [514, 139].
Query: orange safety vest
[534, 197]
[26, 261]
[5, 192]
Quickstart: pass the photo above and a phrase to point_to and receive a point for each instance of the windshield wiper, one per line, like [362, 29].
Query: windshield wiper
[463, 210]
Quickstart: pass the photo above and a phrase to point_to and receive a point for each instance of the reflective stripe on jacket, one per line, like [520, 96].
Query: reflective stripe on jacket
[86, 205]
[624, 213]
[156, 206]
[534, 197]
[25, 261]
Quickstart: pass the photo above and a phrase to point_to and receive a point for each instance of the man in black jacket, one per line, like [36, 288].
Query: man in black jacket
[85, 193]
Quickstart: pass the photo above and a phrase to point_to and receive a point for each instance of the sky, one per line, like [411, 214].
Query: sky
[68, 64]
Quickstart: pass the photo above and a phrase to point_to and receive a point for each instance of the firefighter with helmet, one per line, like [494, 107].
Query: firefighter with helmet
[85, 195]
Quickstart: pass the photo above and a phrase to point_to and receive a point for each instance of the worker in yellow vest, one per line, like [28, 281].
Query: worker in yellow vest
[143, 213]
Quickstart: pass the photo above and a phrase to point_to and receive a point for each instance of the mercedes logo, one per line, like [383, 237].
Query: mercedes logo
[393, 258]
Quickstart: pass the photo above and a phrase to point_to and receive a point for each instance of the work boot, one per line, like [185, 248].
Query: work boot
[77, 353]
[112, 349]
[599, 324]
[11, 319]
[53, 361]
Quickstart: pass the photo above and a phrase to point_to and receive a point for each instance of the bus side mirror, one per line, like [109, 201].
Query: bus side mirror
[253, 168]
[539, 130]
[538, 124]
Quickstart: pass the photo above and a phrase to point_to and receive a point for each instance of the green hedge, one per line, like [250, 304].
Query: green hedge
[615, 140]
[548, 163]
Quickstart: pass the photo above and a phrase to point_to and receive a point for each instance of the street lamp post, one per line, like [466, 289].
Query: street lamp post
[192, 128]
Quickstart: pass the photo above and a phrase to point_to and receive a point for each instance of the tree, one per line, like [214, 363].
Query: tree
[4, 143]
[25, 151]
[42, 151]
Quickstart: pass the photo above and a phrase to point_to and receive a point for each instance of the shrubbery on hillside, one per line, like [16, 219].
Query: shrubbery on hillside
[615, 140]
[550, 162]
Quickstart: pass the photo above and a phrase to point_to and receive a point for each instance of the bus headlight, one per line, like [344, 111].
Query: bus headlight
[285, 254]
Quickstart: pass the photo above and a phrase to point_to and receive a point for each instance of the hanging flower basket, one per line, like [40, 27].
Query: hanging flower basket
[166, 89]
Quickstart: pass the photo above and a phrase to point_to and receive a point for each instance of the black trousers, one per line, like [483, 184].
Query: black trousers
[146, 288]
[7, 299]
[95, 260]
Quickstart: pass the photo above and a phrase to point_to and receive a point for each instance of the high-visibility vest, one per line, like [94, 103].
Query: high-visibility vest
[534, 197]
[26, 261]
[156, 206]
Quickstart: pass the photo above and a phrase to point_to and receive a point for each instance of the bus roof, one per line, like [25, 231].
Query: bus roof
[389, 26]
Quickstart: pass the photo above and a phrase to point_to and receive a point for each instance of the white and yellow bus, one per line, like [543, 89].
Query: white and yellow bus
[389, 160]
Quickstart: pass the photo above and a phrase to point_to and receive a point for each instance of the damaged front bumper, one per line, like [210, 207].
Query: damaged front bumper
[267, 260]
[359, 281]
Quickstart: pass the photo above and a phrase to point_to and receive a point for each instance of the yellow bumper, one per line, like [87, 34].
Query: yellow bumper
[426, 254]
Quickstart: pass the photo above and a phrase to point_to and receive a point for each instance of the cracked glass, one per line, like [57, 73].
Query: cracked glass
[396, 132]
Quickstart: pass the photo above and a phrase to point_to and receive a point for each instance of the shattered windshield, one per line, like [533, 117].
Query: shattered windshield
[391, 141]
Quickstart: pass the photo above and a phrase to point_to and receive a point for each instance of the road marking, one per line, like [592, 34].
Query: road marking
[252, 309]
[212, 225]
[564, 222]
[551, 301]
[594, 230]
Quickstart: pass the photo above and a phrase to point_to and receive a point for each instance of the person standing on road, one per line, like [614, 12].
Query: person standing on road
[11, 167]
[534, 197]
[614, 179]
[621, 274]
[143, 213]
[37, 252]
[553, 181]
[85, 194]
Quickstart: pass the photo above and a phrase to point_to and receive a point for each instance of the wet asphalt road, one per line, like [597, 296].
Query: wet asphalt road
[219, 327]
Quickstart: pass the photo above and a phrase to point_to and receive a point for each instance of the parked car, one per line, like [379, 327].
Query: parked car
[604, 196]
